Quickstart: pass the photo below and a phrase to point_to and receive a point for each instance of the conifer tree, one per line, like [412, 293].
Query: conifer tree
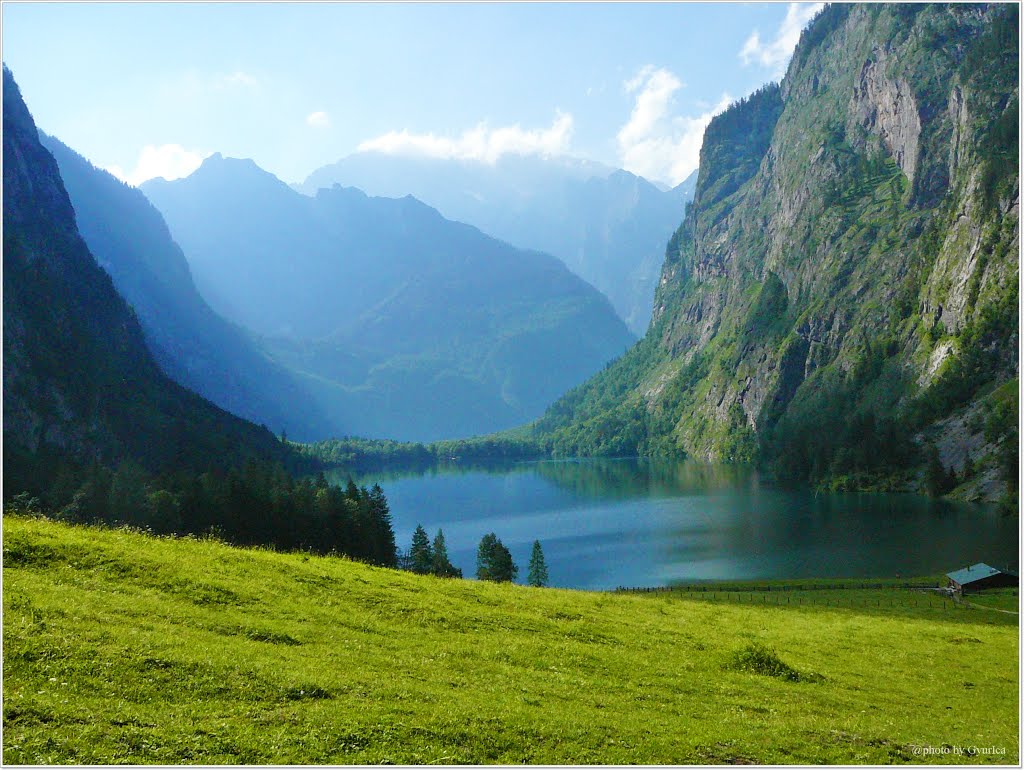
[494, 561]
[385, 552]
[442, 567]
[421, 554]
[937, 480]
[538, 574]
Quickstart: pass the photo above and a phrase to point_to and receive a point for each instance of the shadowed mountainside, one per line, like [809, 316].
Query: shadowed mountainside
[193, 345]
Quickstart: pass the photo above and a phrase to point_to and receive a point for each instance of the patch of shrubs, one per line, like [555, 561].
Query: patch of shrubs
[758, 659]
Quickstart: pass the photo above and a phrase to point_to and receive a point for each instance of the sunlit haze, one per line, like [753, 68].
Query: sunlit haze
[147, 90]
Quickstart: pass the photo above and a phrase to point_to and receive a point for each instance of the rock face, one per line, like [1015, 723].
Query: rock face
[847, 273]
[887, 108]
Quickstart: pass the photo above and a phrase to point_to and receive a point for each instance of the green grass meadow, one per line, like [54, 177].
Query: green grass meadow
[120, 647]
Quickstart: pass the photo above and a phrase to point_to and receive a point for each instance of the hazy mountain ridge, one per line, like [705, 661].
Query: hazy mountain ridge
[845, 279]
[608, 226]
[79, 381]
[193, 345]
[403, 323]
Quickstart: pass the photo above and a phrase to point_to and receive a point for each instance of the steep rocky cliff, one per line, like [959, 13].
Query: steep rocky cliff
[845, 281]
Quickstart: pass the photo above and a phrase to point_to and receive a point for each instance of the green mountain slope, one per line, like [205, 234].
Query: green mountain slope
[841, 299]
[122, 648]
[79, 382]
[193, 345]
[402, 323]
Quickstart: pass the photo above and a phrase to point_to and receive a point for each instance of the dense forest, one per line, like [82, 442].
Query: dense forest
[256, 504]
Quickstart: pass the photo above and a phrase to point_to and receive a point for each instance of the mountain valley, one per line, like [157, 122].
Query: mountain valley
[402, 324]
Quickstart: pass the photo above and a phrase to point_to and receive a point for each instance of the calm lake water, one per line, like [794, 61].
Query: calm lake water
[608, 523]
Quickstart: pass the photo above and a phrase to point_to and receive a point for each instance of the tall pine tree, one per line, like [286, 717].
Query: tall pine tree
[538, 574]
[442, 567]
[385, 552]
[421, 555]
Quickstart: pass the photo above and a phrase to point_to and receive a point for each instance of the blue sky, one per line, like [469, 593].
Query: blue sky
[149, 89]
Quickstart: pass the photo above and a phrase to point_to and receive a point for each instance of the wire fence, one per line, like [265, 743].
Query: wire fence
[741, 588]
[889, 596]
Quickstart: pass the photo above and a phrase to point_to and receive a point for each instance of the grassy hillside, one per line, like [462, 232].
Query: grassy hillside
[120, 647]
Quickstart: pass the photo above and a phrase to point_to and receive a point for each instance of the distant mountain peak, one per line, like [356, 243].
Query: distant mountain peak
[219, 161]
[607, 225]
[337, 189]
[354, 196]
[107, 399]
[219, 171]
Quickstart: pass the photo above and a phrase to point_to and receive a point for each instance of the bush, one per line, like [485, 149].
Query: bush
[757, 659]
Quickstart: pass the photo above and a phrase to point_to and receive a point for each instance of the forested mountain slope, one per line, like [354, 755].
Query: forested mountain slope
[79, 381]
[841, 298]
[402, 323]
[607, 226]
[193, 345]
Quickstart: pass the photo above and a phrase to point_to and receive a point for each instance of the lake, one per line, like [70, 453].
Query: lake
[638, 522]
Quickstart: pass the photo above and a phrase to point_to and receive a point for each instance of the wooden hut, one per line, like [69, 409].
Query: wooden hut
[980, 576]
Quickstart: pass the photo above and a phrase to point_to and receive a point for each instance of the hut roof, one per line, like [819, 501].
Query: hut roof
[974, 573]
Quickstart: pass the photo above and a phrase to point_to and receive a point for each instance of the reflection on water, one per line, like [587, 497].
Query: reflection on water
[606, 523]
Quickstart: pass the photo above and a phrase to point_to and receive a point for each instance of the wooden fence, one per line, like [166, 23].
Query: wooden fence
[726, 588]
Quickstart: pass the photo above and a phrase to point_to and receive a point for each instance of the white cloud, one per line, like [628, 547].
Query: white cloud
[478, 143]
[656, 87]
[237, 78]
[639, 78]
[170, 161]
[775, 55]
[654, 144]
[318, 120]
